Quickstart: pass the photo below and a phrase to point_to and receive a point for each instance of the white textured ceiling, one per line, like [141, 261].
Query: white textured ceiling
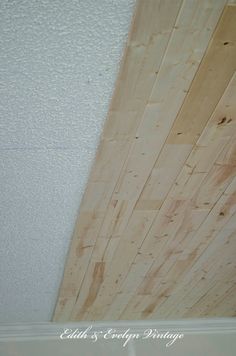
[58, 64]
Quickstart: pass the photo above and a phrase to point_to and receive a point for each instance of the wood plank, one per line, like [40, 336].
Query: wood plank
[217, 64]
[131, 244]
[226, 305]
[204, 84]
[179, 66]
[178, 216]
[135, 163]
[182, 215]
[151, 29]
[208, 274]
[204, 241]
[177, 298]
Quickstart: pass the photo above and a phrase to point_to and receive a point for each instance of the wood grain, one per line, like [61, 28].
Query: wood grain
[158, 210]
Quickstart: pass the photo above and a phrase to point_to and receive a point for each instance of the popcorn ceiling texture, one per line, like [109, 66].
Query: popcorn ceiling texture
[58, 64]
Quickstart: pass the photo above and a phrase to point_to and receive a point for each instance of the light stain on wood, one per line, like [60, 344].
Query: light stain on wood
[155, 235]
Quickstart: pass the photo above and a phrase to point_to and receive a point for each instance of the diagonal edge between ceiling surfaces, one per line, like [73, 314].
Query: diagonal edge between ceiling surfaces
[149, 30]
[112, 193]
[87, 307]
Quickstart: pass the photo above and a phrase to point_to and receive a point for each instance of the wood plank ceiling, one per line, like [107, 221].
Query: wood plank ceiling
[155, 235]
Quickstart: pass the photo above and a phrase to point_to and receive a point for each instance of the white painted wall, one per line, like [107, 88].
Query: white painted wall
[58, 63]
[200, 345]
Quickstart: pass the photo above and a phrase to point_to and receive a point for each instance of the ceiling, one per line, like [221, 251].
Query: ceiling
[155, 233]
[139, 210]
[59, 60]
